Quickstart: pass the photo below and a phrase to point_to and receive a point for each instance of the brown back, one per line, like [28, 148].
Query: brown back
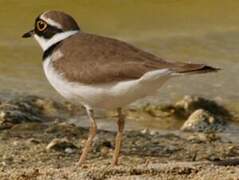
[95, 59]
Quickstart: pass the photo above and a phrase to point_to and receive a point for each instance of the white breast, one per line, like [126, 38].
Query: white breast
[108, 96]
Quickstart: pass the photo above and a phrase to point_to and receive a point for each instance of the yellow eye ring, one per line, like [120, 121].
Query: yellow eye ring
[41, 25]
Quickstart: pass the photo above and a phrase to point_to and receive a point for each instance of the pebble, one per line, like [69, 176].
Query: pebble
[202, 121]
[61, 144]
[69, 150]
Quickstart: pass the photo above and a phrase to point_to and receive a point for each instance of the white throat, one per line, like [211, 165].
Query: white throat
[46, 43]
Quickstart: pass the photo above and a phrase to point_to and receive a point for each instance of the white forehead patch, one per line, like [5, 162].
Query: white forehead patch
[50, 21]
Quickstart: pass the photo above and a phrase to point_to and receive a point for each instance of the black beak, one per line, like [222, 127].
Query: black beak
[28, 34]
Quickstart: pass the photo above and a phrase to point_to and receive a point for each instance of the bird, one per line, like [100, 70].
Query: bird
[100, 72]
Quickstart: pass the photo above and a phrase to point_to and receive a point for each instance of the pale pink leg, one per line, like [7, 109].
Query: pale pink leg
[92, 133]
[119, 137]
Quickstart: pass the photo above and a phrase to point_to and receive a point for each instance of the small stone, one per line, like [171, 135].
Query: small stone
[4, 163]
[34, 141]
[15, 143]
[83, 141]
[186, 102]
[69, 150]
[60, 144]
[145, 131]
[47, 106]
[201, 137]
[2, 114]
[7, 158]
[27, 126]
[202, 121]
[153, 132]
[104, 151]
[185, 107]
[18, 111]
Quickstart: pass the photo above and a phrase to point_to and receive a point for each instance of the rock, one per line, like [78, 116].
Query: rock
[70, 150]
[103, 146]
[47, 106]
[32, 109]
[185, 107]
[104, 151]
[203, 121]
[34, 141]
[61, 145]
[28, 126]
[52, 108]
[203, 137]
[158, 110]
[4, 163]
[65, 129]
[15, 112]
[145, 131]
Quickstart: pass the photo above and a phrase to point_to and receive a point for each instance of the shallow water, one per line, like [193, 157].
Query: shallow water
[197, 31]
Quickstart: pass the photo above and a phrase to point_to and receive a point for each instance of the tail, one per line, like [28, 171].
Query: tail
[183, 68]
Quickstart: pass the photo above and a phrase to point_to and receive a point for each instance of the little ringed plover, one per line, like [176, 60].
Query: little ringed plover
[100, 72]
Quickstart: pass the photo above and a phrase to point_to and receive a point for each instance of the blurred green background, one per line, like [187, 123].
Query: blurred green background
[199, 31]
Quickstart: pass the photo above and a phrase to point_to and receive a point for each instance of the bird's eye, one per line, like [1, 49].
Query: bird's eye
[41, 25]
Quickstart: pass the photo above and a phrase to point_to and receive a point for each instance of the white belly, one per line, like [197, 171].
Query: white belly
[108, 96]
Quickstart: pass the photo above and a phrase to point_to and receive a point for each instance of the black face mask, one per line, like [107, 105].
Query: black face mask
[48, 32]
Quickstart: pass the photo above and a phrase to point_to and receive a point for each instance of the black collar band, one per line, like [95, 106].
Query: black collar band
[48, 52]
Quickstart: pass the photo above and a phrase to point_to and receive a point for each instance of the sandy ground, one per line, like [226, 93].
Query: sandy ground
[153, 156]
[145, 154]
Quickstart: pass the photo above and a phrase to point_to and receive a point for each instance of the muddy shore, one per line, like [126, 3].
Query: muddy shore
[39, 142]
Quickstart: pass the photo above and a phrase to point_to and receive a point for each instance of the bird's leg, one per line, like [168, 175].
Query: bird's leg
[119, 136]
[92, 133]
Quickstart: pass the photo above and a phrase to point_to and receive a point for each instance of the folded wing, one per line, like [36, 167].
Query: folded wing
[96, 59]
